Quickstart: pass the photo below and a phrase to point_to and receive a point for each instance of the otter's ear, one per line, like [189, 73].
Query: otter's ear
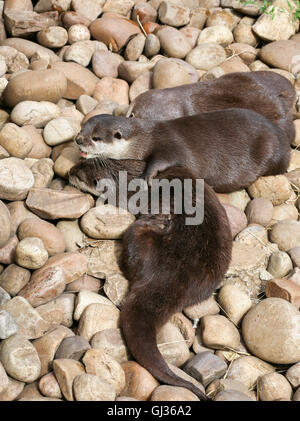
[118, 135]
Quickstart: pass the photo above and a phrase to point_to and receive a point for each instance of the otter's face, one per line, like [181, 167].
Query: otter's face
[105, 136]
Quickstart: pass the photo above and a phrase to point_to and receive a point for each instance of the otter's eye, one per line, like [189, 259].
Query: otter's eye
[96, 139]
[118, 135]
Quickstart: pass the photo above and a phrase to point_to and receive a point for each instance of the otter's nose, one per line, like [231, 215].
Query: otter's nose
[79, 140]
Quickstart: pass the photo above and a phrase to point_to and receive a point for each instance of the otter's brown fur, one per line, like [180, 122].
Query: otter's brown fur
[229, 148]
[169, 265]
[265, 92]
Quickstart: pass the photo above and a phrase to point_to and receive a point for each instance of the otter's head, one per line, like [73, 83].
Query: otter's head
[106, 136]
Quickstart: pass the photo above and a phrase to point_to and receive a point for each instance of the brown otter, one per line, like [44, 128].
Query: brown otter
[229, 148]
[169, 265]
[265, 92]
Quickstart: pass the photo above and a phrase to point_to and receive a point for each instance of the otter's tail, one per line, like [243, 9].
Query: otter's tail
[140, 334]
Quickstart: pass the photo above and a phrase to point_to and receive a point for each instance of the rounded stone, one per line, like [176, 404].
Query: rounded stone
[173, 394]
[5, 225]
[259, 211]
[106, 222]
[88, 387]
[280, 264]
[273, 387]
[219, 34]
[15, 179]
[60, 130]
[15, 140]
[271, 331]
[31, 253]
[206, 56]
[234, 302]
[52, 237]
[53, 37]
[286, 234]
[173, 42]
[218, 332]
[20, 359]
[34, 113]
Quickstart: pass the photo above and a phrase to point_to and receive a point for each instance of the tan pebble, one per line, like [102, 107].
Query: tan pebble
[65, 371]
[101, 364]
[49, 386]
[234, 302]
[15, 140]
[218, 332]
[173, 42]
[78, 32]
[30, 324]
[277, 339]
[274, 386]
[20, 359]
[88, 387]
[196, 311]
[5, 224]
[139, 382]
[14, 278]
[173, 393]
[12, 391]
[31, 253]
[172, 345]
[259, 211]
[293, 375]
[58, 311]
[97, 317]
[34, 113]
[111, 342]
[53, 37]
[47, 345]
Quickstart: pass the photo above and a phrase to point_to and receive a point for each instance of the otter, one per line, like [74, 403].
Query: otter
[229, 148]
[169, 265]
[265, 92]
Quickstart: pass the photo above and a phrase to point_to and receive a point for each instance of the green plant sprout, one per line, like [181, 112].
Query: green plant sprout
[265, 8]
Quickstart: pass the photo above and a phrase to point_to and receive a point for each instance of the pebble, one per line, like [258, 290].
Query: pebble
[280, 264]
[12, 391]
[47, 345]
[53, 37]
[259, 211]
[30, 324]
[219, 34]
[54, 204]
[279, 54]
[15, 179]
[232, 395]
[206, 56]
[284, 211]
[275, 188]
[286, 289]
[171, 72]
[88, 387]
[4, 382]
[73, 347]
[206, 367]
[173, 14]
[248, 369]
[152, 45]
[4, 296]
[173, 42]
[8, 252]
[106, 222]
[20, 359]
[101, 364]
[34, 113]
[66, 370]
[116, 288]
[173, 393]
[225, 385]
[172, 345]
[112, 89]
[277, 27]
[14, 278]
[60, 130]
[72, 234]
[274, 386]
[296, 396]
[91, 9]
[45, 85]
[5, 224]
[293, 375]
[237, 219]
[49, 386]
[97, 317]
[112, 343]
[14, 60]
[286, 234]
[42, 171]
[218, 332]
[78, 32]
[31, 253]
[59, 310]
[276, 339]
[8, 326]
[15, 140]
[234, 302]
[135, 47]
[85, 298]
[206, 307]
[81, 52]
[139, 382]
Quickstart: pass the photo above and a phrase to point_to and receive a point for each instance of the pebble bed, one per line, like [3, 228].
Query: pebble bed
[61, 288]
